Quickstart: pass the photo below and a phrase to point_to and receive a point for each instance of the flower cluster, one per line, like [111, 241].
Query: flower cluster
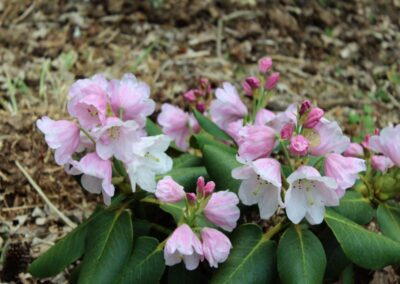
[109, 119]
[196, 237]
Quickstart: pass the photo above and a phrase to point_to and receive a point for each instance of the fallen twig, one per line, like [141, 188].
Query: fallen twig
[44, 197]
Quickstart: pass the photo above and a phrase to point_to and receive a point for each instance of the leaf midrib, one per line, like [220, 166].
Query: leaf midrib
[303, 255]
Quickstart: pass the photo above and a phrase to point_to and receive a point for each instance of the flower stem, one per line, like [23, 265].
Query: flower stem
[88, 135]
[275, 229]
[150, 200]
[286, 153]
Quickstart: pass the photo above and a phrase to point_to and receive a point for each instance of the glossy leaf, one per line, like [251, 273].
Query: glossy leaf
[187, 160]
[219, 166]
[203, 139]
[152, 128]
[210, 126]
[356, 207]
[175, 209]
[365, 248]
[109, 245]
[252, 259]
[301, 257]
[388, 215]
[146, 264]
[187, 177]
[178, 274]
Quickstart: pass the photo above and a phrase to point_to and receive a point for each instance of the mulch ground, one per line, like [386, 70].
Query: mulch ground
[343, 54]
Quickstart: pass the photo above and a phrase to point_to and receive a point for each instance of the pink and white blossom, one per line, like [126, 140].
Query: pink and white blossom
[216, 246]
[222, 210]
[97, 175]
[89, 101]
[330, 139]
[344, 170]
[184, 245]
[116, 139]
[354, 150]
[175, 123]
[299, 145]
[264, 116]
[381, 163]
[228, 106]
[169, 190]
[257, 141]
[261, 184]
[308, 194]
[131, 97]
[387, 143]
[63, 136]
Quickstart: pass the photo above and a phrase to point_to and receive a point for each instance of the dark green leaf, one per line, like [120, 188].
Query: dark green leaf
[347, 276]
[152, 128]
[187, 177]
[252, 259]
[356, 207]
[301, 257]
[203, 139]
[187, 160]
[175, 209]
[178, 274]
[210, 126]
[388, 215]
[219, 166]
[109, 245]
[146, 264]
[363, 247]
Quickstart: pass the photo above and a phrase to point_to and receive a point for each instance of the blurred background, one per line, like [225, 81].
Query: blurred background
[344, 55]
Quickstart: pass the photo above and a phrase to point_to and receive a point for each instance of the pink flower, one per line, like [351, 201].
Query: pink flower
[222, 210]
[205, 189]
[169, 191]
[97, 175]
[132, 97]
[387, 143]
[116, 138]
[330, 139]
[194, 124]
[281, 119]
[62, 136]
[344, 170]
[227, 107]
[183, 244]
[258, 141]
[299, 145]
[354, 150]
[249, 84]
[287, 131]
[175, 124]
[308, 194]
[264, 64]
[216, 246]
[89, 101]
[264, 116]
[313, 117]
[233, 130]
[190, 96]
[381, 163]
[272, 81]
[261, 185]
[305, 106]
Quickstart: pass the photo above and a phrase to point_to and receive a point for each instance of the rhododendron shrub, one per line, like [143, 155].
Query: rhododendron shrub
[223, 191]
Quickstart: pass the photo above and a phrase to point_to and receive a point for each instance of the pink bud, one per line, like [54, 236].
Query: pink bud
[190, 96]
[381, 163]
[354, 150]
[169, 191]
[365, 142]
[272, 81]
[287, 131]
[203, 188]
[313, 117]
[305, 106]
[200, 183]
[204, 83]
[191, 197]
[264, 64]
[299, 145]
[201, 107]
[249, 84]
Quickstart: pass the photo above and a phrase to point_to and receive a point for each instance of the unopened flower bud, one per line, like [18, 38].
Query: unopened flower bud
[272, 81]
[354, 150]
[313, 117]
[250, 83]
[264, 64]
[191, 197]
[305, 106]
[201, 107]
[190, 96]
[169, 191]
[287, 131]
[381, 163]
[299, 145]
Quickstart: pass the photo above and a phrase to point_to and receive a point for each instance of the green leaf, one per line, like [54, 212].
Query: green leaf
[219, 166]
[178, 274]
[64, 252]
[210, 126]
[109, 245]
[175, 209]
[146, 264]
[203, 139]
[356, 207]
[301, 257]
[152, 128]
[363, 247]
[187, 160]
[388, 215]
[252, 259]
[187, 177]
